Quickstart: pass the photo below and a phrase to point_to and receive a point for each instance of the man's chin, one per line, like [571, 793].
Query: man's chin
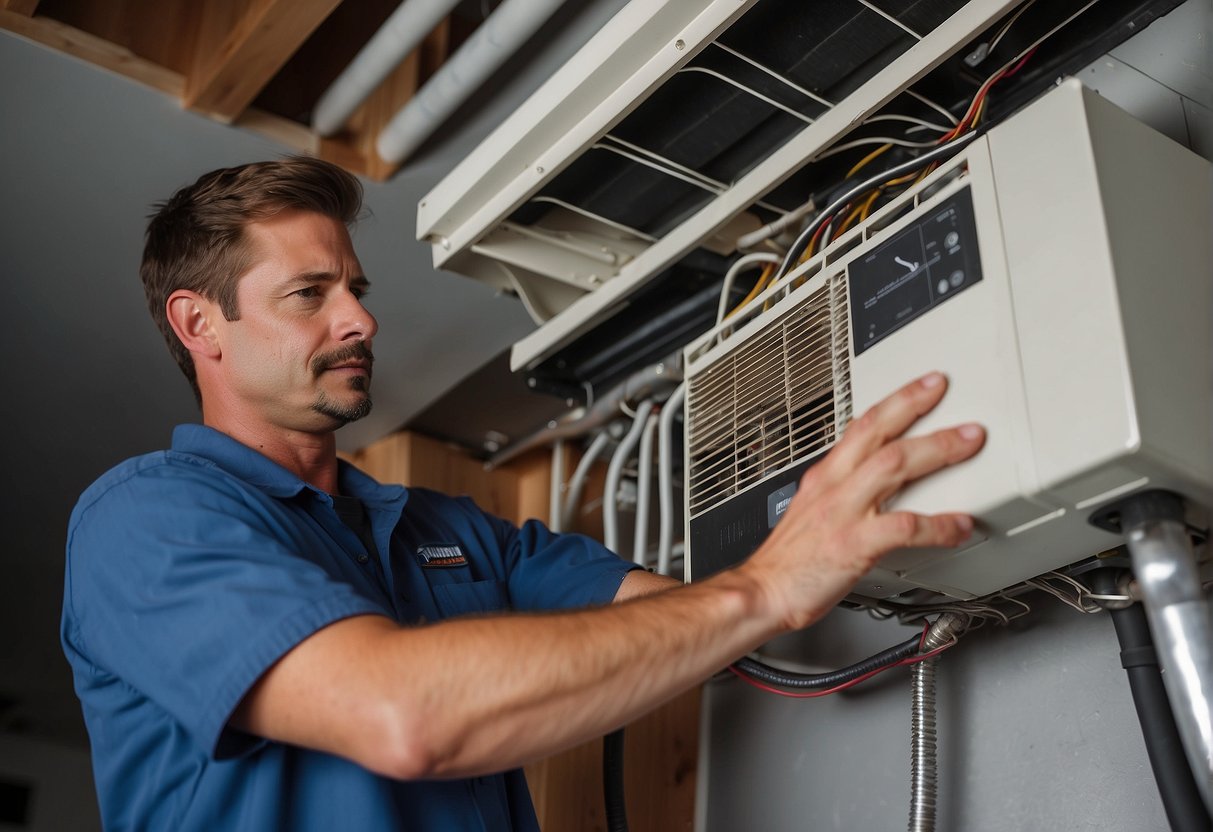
[342, 412]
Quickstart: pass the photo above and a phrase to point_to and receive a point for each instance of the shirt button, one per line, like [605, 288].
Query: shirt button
[363, 558]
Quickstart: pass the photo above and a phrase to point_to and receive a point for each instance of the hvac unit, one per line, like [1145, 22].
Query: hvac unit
[611, 201]
[1058, 269]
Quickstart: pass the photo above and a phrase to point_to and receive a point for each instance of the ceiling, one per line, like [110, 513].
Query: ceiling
[110, 105]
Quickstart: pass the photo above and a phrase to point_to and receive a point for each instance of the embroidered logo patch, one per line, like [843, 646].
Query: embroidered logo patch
[441, 556]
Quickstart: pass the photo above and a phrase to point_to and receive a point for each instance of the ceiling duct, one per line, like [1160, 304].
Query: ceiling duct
[687, 124]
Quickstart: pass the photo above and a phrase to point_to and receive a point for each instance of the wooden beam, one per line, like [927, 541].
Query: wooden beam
[263, 39]
[25, 7]
[92, 49]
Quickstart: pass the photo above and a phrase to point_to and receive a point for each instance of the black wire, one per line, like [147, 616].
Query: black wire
[1181, 798]
[922, 160]
[821, 681]
[612, 782]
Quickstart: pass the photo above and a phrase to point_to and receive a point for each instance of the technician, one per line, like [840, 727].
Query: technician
[263, 637]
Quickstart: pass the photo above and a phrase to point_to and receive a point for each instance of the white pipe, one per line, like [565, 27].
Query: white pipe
[665, 476]
[644, 479]
[557, 485]
[577, 481]
[610, 502]
[739, 265]
[497, 38]
[399, 35]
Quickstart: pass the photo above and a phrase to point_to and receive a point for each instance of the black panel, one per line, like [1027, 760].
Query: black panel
[925, 264]
[729, 533]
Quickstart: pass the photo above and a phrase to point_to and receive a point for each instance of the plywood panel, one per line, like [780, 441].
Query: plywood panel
[660, 749]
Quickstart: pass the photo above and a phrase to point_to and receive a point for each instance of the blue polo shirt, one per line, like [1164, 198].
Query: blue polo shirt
[191, 571]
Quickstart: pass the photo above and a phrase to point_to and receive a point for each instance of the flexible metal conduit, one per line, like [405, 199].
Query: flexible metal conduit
[946, 628]
[501, 35]
[665, 475]
[397, 37]
[610, 503]
[1180, 620]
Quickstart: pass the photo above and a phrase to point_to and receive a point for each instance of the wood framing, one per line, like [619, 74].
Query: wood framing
[225, 83]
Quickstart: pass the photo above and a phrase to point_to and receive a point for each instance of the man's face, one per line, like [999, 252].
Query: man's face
[299, 356]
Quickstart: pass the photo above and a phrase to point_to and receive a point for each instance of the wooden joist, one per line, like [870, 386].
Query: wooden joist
[25, 7]
[226, 81]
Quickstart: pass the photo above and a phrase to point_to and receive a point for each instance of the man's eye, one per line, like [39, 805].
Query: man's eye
[359, 292]
[308, 292]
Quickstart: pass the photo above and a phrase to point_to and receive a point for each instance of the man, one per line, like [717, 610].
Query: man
[264, 638]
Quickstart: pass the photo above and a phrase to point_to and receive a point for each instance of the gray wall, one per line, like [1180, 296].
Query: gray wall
[1036, 732]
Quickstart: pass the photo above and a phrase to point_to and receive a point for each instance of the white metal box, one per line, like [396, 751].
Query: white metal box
[1059, 271]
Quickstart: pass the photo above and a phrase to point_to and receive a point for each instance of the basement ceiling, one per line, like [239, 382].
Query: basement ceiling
[257, 64]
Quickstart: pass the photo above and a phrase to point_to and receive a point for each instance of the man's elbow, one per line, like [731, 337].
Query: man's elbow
[409, 745]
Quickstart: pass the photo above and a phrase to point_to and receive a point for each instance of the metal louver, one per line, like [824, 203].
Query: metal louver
[778, 399]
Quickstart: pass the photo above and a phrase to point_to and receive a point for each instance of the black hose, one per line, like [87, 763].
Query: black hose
[833, 678]
[612, 782]
[1181, 799]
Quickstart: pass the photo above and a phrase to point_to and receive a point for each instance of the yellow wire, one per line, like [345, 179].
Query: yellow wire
[767, 271]
[842, 229]
[859, 165]
[867, 205]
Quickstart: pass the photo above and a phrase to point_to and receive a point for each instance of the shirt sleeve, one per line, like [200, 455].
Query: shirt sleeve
[181, 588]
[548, 571]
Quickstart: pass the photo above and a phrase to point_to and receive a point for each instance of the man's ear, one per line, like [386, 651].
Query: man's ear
[190, 316]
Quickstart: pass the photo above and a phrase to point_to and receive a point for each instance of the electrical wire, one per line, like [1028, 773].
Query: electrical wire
[739, 265]
[850, 683]
[937, 153]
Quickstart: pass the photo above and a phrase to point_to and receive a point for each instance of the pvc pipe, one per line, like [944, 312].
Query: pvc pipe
[557, 485]
[501, 35]
[572, 499]
[649, 381]
[665, 476]
[399, 35]
[644, 481]
[610, 502]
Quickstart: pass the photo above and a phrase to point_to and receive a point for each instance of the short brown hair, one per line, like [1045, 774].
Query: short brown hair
[196, 239]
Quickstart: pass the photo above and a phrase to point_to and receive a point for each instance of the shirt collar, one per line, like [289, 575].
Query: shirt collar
[259, 470]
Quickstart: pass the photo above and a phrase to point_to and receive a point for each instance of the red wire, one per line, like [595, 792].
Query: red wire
[850, 683]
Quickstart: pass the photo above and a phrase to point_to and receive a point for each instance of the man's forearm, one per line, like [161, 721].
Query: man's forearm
[480, 694]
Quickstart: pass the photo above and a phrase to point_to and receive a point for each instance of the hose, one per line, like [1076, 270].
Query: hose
[612, 782]
[610, 503]
[1181, 800]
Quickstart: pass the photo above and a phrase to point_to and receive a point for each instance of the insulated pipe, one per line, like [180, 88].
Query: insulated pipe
[1180, 798]
[399, 35]
[501, 35]
[946, 628]
[1180, 621]
[572, 499]
[644, 479]
[649, 381]
[665, 476]
[557, 485]
[610, 502]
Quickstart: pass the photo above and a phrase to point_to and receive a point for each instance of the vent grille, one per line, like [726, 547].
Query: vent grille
[779, 398]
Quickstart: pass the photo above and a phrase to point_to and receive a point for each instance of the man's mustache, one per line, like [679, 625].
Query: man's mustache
[356, 351]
